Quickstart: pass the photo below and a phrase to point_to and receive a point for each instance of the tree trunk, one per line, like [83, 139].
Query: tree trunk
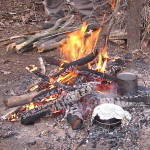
[133, 24]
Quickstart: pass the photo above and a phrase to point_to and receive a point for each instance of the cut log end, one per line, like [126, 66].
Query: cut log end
[75, 122]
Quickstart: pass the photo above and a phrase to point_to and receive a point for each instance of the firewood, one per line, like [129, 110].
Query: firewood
[31, 116]
[37, 73]
[50, 46]
[74, 117]
[52, 61]
[14, 101]
[95, 74]
[20, 100]
[49, 38]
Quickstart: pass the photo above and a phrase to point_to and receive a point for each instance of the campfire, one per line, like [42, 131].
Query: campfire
[86, 73]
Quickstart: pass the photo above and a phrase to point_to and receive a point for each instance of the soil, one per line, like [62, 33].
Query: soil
[18, 17]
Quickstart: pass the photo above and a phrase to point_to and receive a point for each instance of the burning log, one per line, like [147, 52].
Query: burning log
[29, 97]
[74, 117]
[31, 116]
[20, 100]
[11, 112]
[34, 70]
[95, 74]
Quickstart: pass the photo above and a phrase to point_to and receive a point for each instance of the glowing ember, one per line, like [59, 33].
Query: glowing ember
[67, 77]
[34, 88]
[31, 68]
[13, 117]
[78, 45]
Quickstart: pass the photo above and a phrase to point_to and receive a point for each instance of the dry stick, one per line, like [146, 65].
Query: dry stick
[50, 46]
[45, 33]
[24, 46]
[49, 38]
[112, 20]
[18, 36]
[80, 144]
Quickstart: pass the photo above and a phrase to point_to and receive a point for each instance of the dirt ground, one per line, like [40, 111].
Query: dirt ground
[18, 17]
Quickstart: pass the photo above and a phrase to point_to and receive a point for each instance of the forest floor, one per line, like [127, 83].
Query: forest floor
[18, 17]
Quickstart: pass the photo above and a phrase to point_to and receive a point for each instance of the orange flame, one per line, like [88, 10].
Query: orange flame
[78, 45]
[102, 58]
[112, 3]
[67, 77]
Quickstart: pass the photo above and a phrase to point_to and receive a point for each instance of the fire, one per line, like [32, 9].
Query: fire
[112, 3]
[31, 68]
[67, 77]
[102, 58]
[78, 45]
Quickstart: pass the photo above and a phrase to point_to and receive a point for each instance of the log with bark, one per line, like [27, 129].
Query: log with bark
[20, 100]
[31, 116]
[14, 101]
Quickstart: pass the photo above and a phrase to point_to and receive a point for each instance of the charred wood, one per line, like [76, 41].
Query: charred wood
[95, 74]
[31, 116]
[52, 61]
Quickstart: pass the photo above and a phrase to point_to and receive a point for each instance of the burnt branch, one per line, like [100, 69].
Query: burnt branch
[31, 116]
[95, 74]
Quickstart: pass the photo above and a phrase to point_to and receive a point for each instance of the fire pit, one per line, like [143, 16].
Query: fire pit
[83, 73]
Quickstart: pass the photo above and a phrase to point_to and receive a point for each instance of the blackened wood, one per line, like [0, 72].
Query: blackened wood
[74, 117]
[31, 116]
[72, 65]
[52, 61]
[134, 24]
[95, 74]
[38, 74]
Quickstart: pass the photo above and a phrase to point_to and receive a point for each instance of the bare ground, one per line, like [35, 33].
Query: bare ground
[17, 17]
